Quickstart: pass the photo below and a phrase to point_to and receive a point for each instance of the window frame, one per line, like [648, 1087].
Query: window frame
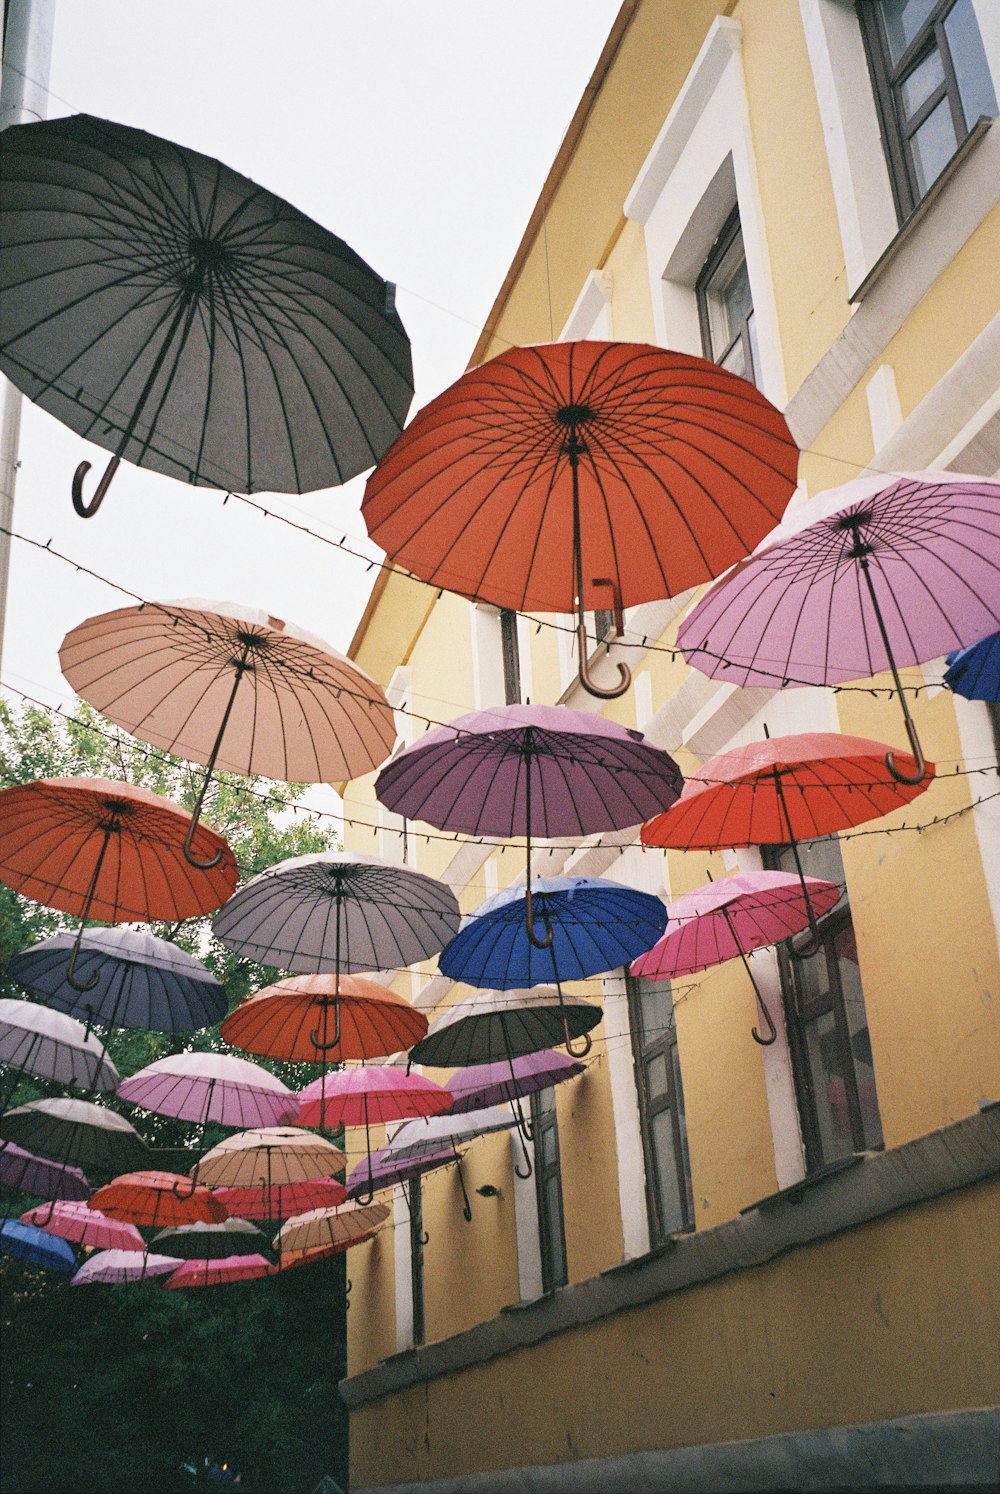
[728, 235]
[544, 1121]
[415, 1205]
[511, 656]
[643, 1054]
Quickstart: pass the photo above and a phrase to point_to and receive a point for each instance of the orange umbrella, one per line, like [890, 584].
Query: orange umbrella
[109, 851]
[290, 1260]
[290, 1020]
[157, 1198]
[583, 474]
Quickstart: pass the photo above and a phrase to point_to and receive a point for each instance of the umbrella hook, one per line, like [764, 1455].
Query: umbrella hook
[588, 1042]
[88, 510]
[314, 1035]
[179, 1192]
[466, 1207]
[424, 1238]
[529, 919]
[241, 666]
[369, 1194]
[527, 1155]
[860, 553]
[772, 1031]
[574, 448]
[805, 951]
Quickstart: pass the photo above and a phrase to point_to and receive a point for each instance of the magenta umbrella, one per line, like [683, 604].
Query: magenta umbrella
[878, 574]
[229, 1268]
[728, 919]
[530, 770]
[486, 1084]
[86, 1226]
[39, 1177]
[109, 1267]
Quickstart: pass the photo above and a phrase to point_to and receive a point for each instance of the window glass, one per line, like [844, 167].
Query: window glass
[656, 1076]
[829, 1089]
[920, 83]
[933, 146]
[903, 20]
[969, 61]
[668, 1182]
[725, 303]
[661, 1107]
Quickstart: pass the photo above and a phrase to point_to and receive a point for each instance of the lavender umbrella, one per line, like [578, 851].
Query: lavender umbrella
[877, 574]
[383, 1170]
[109, 1267]
[530, 770]
[38, 1177]
[485, 1084]
[426, 1138]
[141, 981]
[216, 1087]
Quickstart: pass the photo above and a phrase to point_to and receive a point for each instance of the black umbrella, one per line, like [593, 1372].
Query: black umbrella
[182, 317]
[201, 1241]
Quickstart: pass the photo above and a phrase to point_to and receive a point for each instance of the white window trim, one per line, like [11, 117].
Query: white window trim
[403, 1271]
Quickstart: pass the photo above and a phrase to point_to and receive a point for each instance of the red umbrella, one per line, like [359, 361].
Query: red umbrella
[157, 1198]
[109, 851]
[218, 1273]
[289, 1019]
[282, 1200]
[87, 1226]
[583, 474]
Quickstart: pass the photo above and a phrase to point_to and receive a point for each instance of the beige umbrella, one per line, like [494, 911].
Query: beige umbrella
[230, 686]
[271, 1156]
[341, 1227]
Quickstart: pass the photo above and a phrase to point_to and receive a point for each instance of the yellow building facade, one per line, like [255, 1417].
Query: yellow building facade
[776, 1267]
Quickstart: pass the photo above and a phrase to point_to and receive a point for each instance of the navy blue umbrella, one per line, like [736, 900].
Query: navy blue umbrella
[975, 671]
[142, 981]
[595, 924]
[36, 1246]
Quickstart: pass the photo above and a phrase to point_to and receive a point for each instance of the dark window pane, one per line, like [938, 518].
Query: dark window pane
[975, 85]
[933, 146]
[656, 1004]
[661, 1107]
[829, 1088]
[511, 658]
[735, 361]
[846, 953]
[657, 1082]
[903, 21]
[672, 1204]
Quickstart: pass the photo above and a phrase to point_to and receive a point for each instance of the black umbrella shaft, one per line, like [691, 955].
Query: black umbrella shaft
[185, 307]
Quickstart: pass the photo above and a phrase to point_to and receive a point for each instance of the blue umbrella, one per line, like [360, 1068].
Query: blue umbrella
[142, 981]
[975, 671]
[595, 924]
[36, 1246]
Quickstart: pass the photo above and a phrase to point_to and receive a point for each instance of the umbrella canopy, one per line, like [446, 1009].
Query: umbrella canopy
[383, 1169]
[291, 1260]
[294, 1019]
[783, 789]
[975, 671]
[35, 1246]
[111, 1267]
[183, 318]
[75, 1131]
[282, 1200]
[49, 1045]
[484, 1084]
[344, 1226]
[426, 1137]
[211, 1087]
[84, 1225]
[157, 1198]
[587, 474]
[212, 1272]
[339, 912]
[38, 1176]
[494, 1027]
[201, 1241]
[874, 575]
[142, 981]
[269, 1156]
[370, 1096]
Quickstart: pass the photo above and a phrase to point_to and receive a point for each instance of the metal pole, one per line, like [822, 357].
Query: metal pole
[24, 92]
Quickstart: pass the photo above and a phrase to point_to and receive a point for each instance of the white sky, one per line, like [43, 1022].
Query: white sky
[420, 131]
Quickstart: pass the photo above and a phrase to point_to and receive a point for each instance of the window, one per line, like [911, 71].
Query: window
[931, 82]
[725, 305]
[511, 658]
[414, 1198]
[827, 1026]
[548, 1186]
[669, 1198]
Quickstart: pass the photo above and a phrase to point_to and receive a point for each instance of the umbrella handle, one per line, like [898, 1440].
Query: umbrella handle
[88, 510]
[915, 748]
[588, 1042]
[334, 1042]
[189, 855]
[178, 1193]
[529, 923]
[527, 1158]
[590, 685]
[80, 985]
[466, 1207]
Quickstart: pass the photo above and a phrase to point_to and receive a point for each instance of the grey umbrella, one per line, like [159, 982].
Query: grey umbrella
[49, 1045]
[497, 1025]
[187, 320]
[75, 1131]
[141, 981]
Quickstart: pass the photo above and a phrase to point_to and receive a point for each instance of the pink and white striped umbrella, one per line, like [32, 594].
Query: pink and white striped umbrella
[86, 1226]
[216, 1087]
[109, 1267]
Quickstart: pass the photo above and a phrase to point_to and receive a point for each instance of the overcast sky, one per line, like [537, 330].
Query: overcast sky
[418, 130]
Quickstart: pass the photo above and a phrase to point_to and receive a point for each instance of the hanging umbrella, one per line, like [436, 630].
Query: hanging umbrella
[142, 981]
[292, 1020]
[524, 770]
[583, 474]
[75, 1131]
[342, 1226]
[205, 1273]
[494, 1027]
[231, 686]
[274, 1154]
[111, 1267]
[49, 1045]
[201, 1241]
[111, 851]
[38, 1176]
[731, 918]
[183, 318]
[282, 1200]
[383, 1169]
[157, 1198]
[783, 790]
[877, 574]
[84, 1225]
[206, 1087]
[421, 1139]
[291, 1260]
[596, 925]
[483, 1085]
[34, 1246]
[975, 671]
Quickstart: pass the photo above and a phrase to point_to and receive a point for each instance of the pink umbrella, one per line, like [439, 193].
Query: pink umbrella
[508, 1081]
[218, 1273]
[109, 1267]
[86, 1226]
[731, 918]
[877, 574]
[207, 1087]
[282, 1200]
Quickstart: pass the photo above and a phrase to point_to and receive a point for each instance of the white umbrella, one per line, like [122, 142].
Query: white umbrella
[36, 1040]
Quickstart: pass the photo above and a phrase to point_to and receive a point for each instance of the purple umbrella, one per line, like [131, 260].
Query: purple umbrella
[109, 1267]
[40, 1178]
[428, 1137]
[530, 770]
[508, 1081]
[877, 574]
[216, 1087]
[383, 1170]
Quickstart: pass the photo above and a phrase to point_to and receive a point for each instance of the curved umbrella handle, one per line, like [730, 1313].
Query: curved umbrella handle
[624, 673]
[916, 750]
[467, 1206]
[588, 1041]
[189, 855]
[78, 985]
[88, 510]
[178, 1191]
[765, 1042]
[529, 923]
[364, 1199]
[527, 1158]
[314, 1036]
